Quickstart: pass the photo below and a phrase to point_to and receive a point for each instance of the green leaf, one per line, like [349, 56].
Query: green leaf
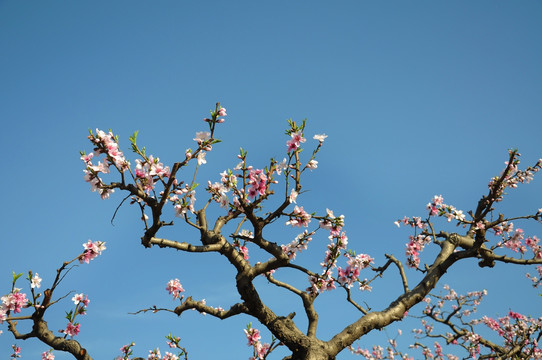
[16, 276]
[133, 138]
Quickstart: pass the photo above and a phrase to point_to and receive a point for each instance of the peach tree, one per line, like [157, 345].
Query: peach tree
[250, 198]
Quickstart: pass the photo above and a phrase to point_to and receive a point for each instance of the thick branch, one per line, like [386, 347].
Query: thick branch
[189, 304]
[183, 246]
[308, 301]
[42, 332]
[396, 310]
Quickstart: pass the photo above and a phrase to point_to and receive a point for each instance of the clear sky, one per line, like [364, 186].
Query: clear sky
[418, 98]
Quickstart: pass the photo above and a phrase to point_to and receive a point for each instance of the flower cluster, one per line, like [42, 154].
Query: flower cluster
[72, 329]
[332, 223]
[175, 288]
[228, 182]
[221, 112]
[92, 250]
[299, 217]
[512, 176]
[257, 182]
[515, 240]
[295, 141]
[503, 228]
[14, 301]
[48, 355]
[173, 341]
[253, 337]
[462, 306]
[379, 353]
[349, 275]
[126, 351]
[154, 354]
[149, 171]
[515, 329]
[107, 144]
[337, 245]
[245, 235]
[414, 247]
[518, 331]
[81, 302]
[299, 243]
[437, 208]
[537, 280]
[183, 200]
[16, 352]
[338, 242]
[416, 244]
[241, 248]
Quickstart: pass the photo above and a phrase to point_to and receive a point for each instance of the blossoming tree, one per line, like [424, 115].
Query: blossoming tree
[244, 195]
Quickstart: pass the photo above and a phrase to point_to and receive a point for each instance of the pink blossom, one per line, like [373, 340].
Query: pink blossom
[47, 355]
[300, 243]
[253, 335]
[414, 248]
[332, 223]
[514, 243]
[170, 356]
[261, 350]
[154, 354]
[72, 330]
[299, 217]
[174, 287]
[87, 157]
[16, 352]
[106, 143]
[258, 183]
[244, 251]
[92, 250]
[14, 301]
[81, 299]
[320, 284]
[296, 139]
[515, 315]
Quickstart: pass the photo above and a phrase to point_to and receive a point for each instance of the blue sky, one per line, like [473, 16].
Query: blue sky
[418, 98]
